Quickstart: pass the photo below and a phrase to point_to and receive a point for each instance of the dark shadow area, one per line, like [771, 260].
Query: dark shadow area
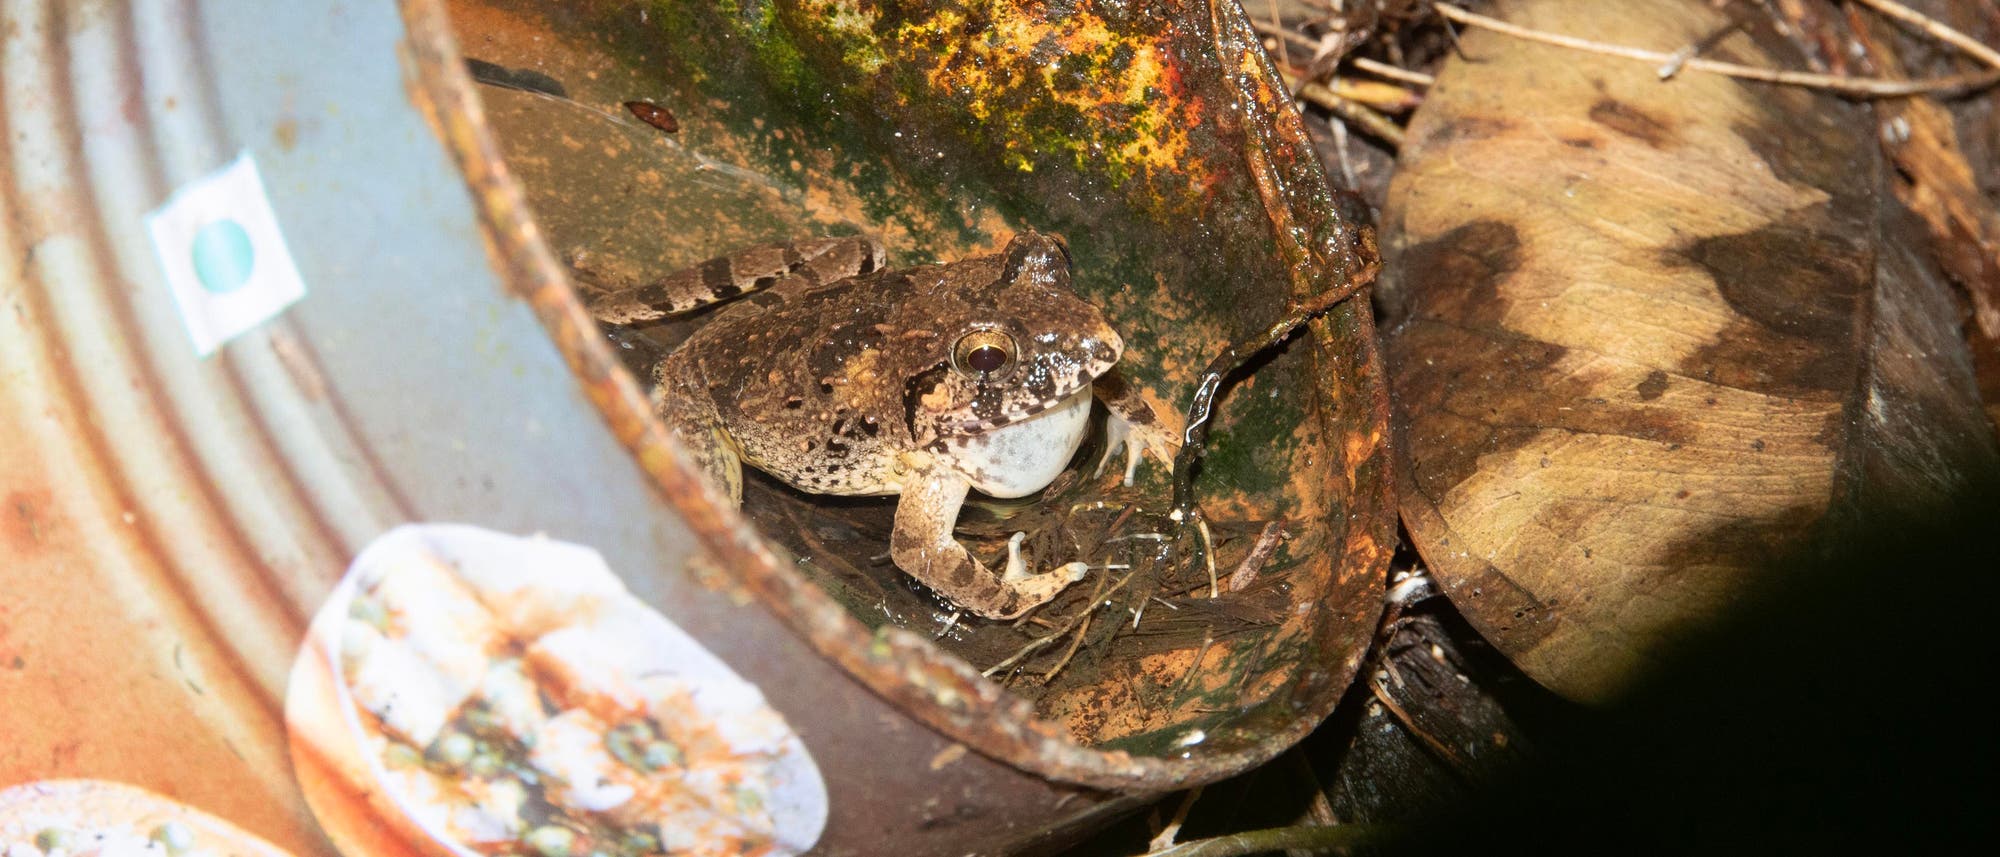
[1841, 711]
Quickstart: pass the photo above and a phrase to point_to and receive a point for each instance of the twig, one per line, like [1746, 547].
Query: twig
[1208, 556]
[1279, 839]
[1456, 762]
[1164, 840]
[1075, 642]
[1039, 643]
[1207, 640]
[1284, 35]
[1340, 148]
[1935, 29]
[1375, 124]
[1245, 572]
[1861, 86]
[1319, 810]
[1703, 44]
[1194, 439]
[1382, 69]
[1351, 91]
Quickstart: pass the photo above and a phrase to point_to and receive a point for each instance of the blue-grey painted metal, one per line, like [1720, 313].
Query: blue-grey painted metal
[408, 384]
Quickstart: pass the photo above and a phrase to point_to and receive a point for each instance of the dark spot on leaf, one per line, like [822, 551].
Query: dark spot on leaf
[1471, 394]
[1463, 128]
[1455, 401]
[1741, 542]
[1630, 121]
[1457, 275]
[1797, 287]
[1812, 148]
[1654, 385]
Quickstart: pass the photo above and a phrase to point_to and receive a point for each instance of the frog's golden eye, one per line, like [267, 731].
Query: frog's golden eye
[983, 352]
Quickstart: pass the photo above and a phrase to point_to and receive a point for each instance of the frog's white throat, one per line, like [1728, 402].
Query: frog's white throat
[1020, 458]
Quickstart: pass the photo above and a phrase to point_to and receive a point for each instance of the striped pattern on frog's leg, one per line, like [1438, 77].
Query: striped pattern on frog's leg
[922, 545]
[752, 269]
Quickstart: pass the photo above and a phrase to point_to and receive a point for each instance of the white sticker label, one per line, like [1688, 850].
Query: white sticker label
[505, 695]
[223, 255]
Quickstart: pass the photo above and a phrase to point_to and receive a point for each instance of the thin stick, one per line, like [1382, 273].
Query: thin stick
[1194, 666]
[1374, 124]
[1382, 69]
[1935, 29]
[1452, 759]
[1284, 35]
[1260, 553]
[1208, 556]
[1075, 642]
[1374, 67]
[1862, 86]
[1701, 45]
[1280, 838]
[1040, 643]
[1340, 143]
[1319, 810]
[1165, 839]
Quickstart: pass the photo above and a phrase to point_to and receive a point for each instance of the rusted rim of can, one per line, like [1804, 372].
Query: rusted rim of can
[932, 686]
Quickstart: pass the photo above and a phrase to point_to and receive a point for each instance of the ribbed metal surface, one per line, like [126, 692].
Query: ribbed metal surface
[168, 523]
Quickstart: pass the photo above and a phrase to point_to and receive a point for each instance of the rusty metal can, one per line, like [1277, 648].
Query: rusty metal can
[269, 289]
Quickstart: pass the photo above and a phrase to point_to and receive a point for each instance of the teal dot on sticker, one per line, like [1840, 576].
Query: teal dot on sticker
[222, 256]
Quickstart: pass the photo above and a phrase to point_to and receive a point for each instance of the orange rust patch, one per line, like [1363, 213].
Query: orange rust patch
[1126, 133]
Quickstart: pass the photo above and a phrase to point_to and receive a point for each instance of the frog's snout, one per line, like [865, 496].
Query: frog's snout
[1101, 348]
[1106, 351]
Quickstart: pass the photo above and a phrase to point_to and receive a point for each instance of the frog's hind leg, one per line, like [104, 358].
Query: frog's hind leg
[752, 269]
[922, 545]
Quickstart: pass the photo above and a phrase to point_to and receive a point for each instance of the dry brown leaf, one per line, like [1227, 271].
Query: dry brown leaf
[1652, 335]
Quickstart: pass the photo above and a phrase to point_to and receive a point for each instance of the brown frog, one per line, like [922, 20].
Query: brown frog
[838, 377]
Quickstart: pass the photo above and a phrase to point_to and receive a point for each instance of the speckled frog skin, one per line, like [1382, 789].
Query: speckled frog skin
[840, 378]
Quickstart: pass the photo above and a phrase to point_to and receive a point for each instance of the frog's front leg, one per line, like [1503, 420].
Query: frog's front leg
[1133, 427]
[689, 415]
[923, 546]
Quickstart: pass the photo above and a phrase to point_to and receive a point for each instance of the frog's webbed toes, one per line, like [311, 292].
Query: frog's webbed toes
[1017, 568]
[1029, 590]
[1137, 440]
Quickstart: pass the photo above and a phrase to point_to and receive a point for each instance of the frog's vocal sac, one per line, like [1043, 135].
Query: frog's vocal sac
[839, 377]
